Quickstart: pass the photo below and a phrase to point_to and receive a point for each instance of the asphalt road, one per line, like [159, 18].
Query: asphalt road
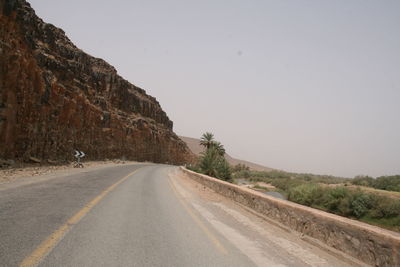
[130, 215]
[141, 222]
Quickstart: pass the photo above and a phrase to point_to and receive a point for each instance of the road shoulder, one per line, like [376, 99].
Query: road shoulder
[259, 233]
[12, 178]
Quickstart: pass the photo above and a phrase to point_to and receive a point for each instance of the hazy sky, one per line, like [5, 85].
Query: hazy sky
[306, 86]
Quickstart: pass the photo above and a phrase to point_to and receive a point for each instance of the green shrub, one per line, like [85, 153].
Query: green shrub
[242, 174]
[392, 209]
[335, 197]
[194, 167]
[344, 207]
[384, 207]
[240, 167]
[390, 183]
[305, 194]
[361, 204]
[209, 161]
[212, 161]
[223, 170]
[392, 223]
[363, 180]
[286, 183]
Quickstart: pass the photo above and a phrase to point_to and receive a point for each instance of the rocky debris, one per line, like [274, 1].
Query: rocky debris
[6, 163]
[34, 160]
[55, 98]
[29, 170]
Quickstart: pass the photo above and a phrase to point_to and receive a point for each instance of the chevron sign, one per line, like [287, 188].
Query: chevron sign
[79, 154]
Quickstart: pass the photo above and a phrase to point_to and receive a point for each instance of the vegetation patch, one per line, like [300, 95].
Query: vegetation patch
[389, 183]
[212, 161]
[341, 196]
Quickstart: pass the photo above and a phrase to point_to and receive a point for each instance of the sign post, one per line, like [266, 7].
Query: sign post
[78, 155]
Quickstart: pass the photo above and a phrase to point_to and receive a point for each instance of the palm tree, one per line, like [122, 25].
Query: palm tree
[212, 161]
[219, 148]
[213, 164]
[207, 140]
[209, 162]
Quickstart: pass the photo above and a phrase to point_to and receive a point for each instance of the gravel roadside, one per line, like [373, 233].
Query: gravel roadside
[41, 172]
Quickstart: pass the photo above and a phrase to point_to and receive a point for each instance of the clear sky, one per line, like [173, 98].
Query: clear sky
[301, 85]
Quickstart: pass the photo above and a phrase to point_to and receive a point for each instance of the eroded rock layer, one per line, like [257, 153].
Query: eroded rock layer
[55, 98]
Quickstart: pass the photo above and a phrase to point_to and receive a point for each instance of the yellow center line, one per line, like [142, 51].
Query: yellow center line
[46, 246]
[197, 220]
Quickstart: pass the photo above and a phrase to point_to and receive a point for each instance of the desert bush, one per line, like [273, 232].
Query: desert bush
[240, 167]
[306, 194]
[286, 183]
[361, 204]
[390, 183]
[384, 207]
[363, 180]
[241, 174]
[337, 200]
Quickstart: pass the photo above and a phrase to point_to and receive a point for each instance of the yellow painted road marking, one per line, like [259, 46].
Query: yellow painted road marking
[202, 226]
[46, 246]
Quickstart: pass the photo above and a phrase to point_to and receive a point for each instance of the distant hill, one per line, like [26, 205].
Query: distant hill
[196, 148]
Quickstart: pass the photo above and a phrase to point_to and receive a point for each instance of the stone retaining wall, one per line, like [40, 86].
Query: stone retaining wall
[370, 244]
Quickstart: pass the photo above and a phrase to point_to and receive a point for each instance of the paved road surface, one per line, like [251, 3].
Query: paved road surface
[113, 217]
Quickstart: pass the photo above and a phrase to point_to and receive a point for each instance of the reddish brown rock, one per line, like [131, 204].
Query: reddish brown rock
[55, 98]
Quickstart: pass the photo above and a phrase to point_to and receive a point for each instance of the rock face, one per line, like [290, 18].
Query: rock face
[55, 98]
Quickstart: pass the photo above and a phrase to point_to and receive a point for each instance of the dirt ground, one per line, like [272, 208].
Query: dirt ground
[12, 174]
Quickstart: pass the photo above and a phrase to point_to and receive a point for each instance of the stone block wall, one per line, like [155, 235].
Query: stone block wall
[370, 244]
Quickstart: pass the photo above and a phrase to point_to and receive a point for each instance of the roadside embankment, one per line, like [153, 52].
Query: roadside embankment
[34, 171]
[370, 244]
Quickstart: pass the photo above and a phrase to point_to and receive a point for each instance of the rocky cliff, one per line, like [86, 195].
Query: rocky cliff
[55, 98]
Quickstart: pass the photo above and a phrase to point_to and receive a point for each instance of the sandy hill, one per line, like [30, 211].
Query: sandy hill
[196, 148]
